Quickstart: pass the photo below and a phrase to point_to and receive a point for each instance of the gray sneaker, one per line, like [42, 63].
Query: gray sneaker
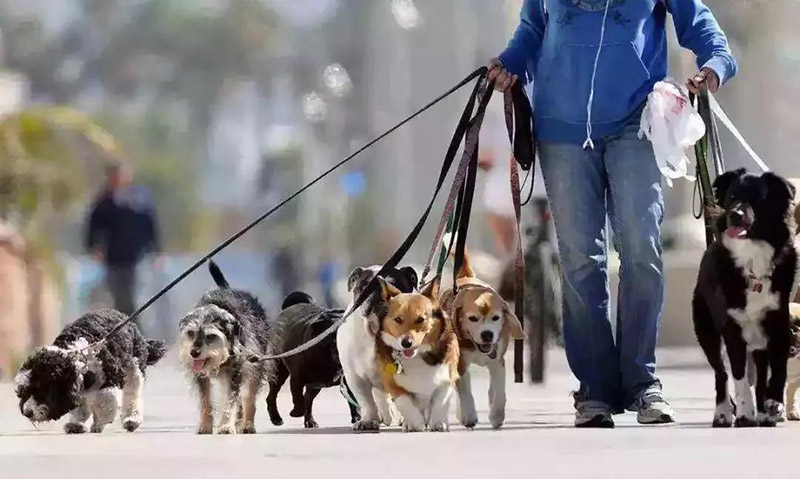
[652, 408]
[593, 414]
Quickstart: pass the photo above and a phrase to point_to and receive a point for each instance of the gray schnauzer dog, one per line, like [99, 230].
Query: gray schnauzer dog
[217, 341]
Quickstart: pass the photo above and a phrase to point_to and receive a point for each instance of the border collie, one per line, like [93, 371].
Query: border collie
[743, 292]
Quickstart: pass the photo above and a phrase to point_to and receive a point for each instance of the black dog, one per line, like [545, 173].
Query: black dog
[66, 378]
[300, 321]
[742, 295]
[217, 340]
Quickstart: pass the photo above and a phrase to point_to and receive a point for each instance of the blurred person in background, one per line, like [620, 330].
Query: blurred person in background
[592, 64]
[121, 230]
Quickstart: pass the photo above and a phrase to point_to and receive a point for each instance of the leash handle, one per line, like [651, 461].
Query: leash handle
[709, 143]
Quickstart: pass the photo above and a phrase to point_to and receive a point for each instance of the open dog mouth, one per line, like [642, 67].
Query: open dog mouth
[199, 365]
[409, 353]
[736, 232]
[485, 348]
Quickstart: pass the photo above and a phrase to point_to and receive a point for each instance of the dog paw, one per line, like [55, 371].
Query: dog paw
[227, 429]
[74, 428]
[440, 427]
[297, 412]
[248, 429]
[793, 415]
[772, 415]
[276, 419]
[412, 427]
[131, 424]
[744, 421]
[366, 426]
[496, 419]
[205, 429]
[469, 421]
[97, 428]
[723, 414]
[357, 417]
[310, 424]
[721, 422]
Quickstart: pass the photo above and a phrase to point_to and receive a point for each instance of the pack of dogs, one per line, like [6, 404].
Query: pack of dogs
[405, 353]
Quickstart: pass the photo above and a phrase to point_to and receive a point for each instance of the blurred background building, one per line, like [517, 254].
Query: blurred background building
[224, 107]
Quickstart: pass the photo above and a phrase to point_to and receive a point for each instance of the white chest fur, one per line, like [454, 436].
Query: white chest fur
[419, 378]
[755, 258]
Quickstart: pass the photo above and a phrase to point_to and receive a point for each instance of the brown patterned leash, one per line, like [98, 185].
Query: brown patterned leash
[456, 189]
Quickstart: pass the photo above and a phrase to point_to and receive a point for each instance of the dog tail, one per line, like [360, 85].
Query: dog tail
[296, 297]
[216, 273]
[155, 351]
[466, 267]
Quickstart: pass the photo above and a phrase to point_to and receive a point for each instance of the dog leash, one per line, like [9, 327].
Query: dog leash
[479, 74]
[464, 123]
[709, 143]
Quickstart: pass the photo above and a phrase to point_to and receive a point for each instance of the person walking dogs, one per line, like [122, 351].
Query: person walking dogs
[592, 64]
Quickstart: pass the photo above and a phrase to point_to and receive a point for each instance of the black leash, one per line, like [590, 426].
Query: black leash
[480, 74]
[709, 144]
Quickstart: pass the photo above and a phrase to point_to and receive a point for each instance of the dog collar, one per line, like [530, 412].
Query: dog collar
[755, 283]
[396, 366]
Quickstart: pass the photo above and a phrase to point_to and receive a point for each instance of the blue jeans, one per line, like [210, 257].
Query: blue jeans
[619, 179]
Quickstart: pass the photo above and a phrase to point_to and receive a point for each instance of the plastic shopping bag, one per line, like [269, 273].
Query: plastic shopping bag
[672, 125]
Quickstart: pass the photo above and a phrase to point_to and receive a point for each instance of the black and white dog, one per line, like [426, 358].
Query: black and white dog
[217, 340]
[300, 321]
[65, 378]
[743, 292]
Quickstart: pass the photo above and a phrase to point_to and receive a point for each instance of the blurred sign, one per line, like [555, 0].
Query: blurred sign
[354, 183]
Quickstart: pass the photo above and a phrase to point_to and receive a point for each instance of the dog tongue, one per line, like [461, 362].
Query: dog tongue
[409, 353]
[735, 231]
[198, 364]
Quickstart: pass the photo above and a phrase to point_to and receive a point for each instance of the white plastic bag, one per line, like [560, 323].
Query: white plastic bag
[671, 124]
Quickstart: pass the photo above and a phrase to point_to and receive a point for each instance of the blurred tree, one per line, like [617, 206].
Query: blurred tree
[43, 155]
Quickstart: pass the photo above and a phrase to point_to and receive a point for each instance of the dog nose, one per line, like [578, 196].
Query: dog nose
[28, 413]
[406, 343]
[736, 217]
[194, 353]
[487, 336]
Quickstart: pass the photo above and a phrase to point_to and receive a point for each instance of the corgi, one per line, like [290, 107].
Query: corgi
[417, 355]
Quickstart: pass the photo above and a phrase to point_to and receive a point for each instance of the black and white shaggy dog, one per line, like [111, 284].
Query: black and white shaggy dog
[216, 339]
[743, 292]
[299, 321]
[64, 379]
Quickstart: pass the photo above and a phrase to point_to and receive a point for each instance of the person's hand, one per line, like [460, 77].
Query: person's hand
[502, 77]
[705, 75]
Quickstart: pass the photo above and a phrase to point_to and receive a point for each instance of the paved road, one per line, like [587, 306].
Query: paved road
[537, 441]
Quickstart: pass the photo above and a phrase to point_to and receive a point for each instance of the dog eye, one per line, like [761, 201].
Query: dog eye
[420, 320]
[398, 320]
[474, 319]
[495, 318]
[190, 334]
[211, 338]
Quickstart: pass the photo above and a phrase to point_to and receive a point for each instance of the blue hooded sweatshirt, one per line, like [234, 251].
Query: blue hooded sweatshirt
[558, 46]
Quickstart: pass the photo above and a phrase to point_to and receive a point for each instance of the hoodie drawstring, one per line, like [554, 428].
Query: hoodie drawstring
[589, 144]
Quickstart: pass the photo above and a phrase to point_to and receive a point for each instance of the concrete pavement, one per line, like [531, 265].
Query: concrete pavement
[537, 441]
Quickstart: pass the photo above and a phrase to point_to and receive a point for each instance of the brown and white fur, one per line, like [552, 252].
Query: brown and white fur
[355, 341]
[485, 326]
[417, 354]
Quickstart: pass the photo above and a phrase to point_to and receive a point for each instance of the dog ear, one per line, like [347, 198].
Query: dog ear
[780, 186]
[352, 280]
[431, 290]
[724, 181]
[512, 323]
[411, 274]
[388, 291]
